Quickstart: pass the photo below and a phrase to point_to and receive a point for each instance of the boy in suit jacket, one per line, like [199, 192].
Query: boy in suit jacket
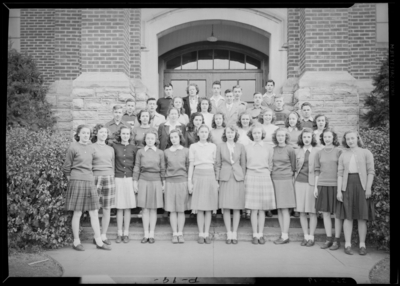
[230, 108]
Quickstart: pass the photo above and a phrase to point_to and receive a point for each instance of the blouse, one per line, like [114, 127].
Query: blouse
[183, 118]
[208, 117]
[203, 154]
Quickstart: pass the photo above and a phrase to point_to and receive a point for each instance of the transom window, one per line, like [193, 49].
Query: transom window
[213, 59]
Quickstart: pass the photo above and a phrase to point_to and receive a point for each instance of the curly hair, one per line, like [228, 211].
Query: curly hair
[79, 128]
[117, 134]
[298, 123]
[195, 85]
[300, 139]
[140, 114]
[199, 104]
[360, 142]
[213, 124]
[96, 130]
[335, 141]
[287, 136]
[156, 143]
[172, 104]
[172, 108]
[180, 134]
[261, 115]
[254, 126]
[209, 132]
[190, 126]
[239, 122]
[315, 122]
[233, 128]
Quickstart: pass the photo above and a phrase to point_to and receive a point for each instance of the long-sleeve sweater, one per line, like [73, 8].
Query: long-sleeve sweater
[78, 162]
[124, 159]
[284, 163]
[258, 158]
[326, 166]
[149, 165]
[176, 165]
[103, 160]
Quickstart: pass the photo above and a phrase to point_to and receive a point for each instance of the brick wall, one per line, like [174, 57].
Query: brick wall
[135, 34]
[381, 55]
[362, 40]
[67, 43]
[302, 46]
[293, 42]
[37, 39]
[126, 41]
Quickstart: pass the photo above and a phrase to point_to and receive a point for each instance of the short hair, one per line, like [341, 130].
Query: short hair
[306, 104]
[217, 82]
[360, 142]
[117, 134]
[287, 136]
[300, 139]
[172, 108]
[280, 97]
[315, 126]
[96, 130]
[239, 122]
[270, 80]
[182, 111]
[182, 140]
[199, 104]
[150, 99]
[257, 92]
[234, 128]
[298, 124]
[151, 131]
[213, 124]
[228, 91]
[195, 85]
[117, 106]
[130, 100]
[236, 86]
[190, 126]
[79, 128]
[140, 114]
[209, 132]
[261, 115]
[168, 84]
[256, 125]
[335, 141]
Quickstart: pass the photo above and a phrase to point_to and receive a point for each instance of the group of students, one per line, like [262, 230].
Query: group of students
[261, 159]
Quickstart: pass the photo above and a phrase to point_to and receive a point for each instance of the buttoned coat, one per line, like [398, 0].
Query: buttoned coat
[231, 116]
[300, 163]
[224, 166]
[163, 135]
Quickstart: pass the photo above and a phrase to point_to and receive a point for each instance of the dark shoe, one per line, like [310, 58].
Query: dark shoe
[79, 247]
[104, 247]
[144, 240]
[304, 242]
[335, 245]
[214, 214]
[234, 241]
[125, 238]
[269, 214]
[200, 240]
[363, 251]
[261, 240]
[247, 215]
[119, 239]
[104, 241]
[165, 214]
[244, 214]
[180, 239]
[296, 214]
[281, 241]
[255, 240]
[310, 243]
[327, 244]
[113, 213]
[152, 240]
[192, 215]
[207, 240]
[348, 251]
[228, 241]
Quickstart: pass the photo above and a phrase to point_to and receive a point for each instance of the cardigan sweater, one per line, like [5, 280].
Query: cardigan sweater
[365, 165]
[124, 160]
[103, 160]
[259, 158]
[149, 165]
[176, 165]
[78, 162]
[284, 163]
[326, 166]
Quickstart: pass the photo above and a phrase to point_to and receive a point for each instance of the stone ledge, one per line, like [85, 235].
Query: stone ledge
[326, 79]
[102, 79]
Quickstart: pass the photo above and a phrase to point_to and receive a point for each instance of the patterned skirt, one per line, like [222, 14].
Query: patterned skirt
[259, 194]
[231, 194]
[355, 205]
[305, 200]
[205, 190]
[106, 190]
[150, 194]
[284, 192]
[326, 200]
[81, 196]
[176, 196]
[124, 194]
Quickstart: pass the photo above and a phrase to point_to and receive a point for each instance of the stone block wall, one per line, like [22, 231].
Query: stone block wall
[135, 34]
[293, 42]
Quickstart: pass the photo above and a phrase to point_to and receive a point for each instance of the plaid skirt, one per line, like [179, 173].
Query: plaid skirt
[106, 190]
[326, 200]
[355, 205]
[81, 196]
[284, 193]
[259, 193]
[205, 190]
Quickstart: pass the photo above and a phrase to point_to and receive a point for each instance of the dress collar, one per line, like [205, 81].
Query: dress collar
[309, 149]
[203, 144]
[154, 148]
[261, 143]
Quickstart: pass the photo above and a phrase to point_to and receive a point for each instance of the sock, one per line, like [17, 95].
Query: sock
[229, 235]
[77, 241]
[311, 237]
[260, 234]
[285, 236]
[362, 244]
[174, 234]
[120, 232]
[151, 234]
[306, 237]
[179, 233]
[255, 234]
[103, 236]
[99, 242]
[146, 234]
[206, 234]
[126, 232]
[234, 235]
[337, 239]
[347, 244]
[201, 234]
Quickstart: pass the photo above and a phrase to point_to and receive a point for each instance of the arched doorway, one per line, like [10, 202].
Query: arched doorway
[205, 62]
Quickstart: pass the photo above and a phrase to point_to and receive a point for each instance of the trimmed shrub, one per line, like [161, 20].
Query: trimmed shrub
[36, 188]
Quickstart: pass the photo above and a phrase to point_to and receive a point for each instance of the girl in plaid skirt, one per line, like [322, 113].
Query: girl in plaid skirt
[81, 191]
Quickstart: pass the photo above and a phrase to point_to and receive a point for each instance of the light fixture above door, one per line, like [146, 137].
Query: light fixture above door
[212, 38]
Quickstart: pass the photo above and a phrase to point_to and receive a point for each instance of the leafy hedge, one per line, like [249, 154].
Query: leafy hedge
[36, 188]
[376, 139]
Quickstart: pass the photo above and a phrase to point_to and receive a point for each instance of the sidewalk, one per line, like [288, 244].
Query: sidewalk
[132, 262]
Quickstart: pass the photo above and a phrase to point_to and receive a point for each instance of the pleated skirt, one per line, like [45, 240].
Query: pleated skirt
[106, 190]
[124, 195]
[305, 200]
[326, 201]
[284, 193]
[81, 196]
[176, 197]
[259, 194]
[355, 205]
[231, 194]
[205, 190]
[150, 194]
